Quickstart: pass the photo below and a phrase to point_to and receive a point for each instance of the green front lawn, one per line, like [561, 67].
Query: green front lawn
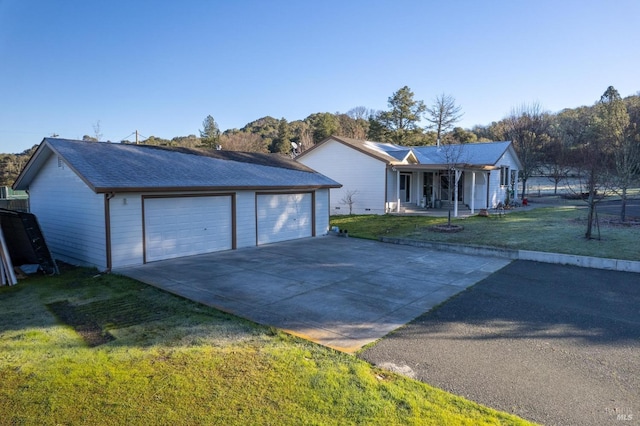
[558, 230]
[170, 361]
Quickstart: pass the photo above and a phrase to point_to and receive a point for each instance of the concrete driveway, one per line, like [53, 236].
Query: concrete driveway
[559, 345]
[339, 292]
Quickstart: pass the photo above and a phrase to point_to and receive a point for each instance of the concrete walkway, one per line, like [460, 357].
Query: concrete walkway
[340, 292]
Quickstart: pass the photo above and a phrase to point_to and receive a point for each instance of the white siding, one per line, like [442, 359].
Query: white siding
[72, 219]
[126, 224]
[282, 217]
[126, 230]
[322, 212]
[480, 191]
[355, 171]
[70, 214]
[246, 218]
[498, 193]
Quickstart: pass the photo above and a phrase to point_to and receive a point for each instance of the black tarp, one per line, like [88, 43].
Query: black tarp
[25, 240]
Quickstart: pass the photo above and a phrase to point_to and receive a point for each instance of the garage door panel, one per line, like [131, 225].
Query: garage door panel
[185, 226]
[283, 217]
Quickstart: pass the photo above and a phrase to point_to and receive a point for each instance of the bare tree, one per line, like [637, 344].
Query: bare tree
[626, 140]
[349, 199]
[557, 149]
[442, 115]
[305, 136]
[97, 131]
[360, 113]
[454, 156]
[242, 141]
[352, 128]
[527, 127]
[596, 156]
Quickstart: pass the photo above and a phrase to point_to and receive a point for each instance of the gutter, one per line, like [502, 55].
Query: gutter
[107, 228]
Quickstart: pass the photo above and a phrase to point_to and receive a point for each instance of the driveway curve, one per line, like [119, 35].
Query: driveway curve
[558, 345]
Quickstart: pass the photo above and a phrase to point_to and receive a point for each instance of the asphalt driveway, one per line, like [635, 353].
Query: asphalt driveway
[558, 345]
[339, 292]
[613, 208]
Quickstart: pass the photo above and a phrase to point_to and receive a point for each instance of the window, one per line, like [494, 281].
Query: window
[504, 176]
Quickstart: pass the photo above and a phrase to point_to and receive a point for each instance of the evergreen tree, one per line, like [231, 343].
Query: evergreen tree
[401, 121]
[282, 143]
[210, 133]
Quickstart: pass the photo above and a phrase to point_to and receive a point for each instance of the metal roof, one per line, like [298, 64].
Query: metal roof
[116, 167]
[482, 154]
[478, 154]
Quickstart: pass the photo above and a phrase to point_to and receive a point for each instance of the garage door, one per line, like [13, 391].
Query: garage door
[185, 226]
[284, 217]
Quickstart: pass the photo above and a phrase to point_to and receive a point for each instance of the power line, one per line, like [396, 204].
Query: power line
[125, 138]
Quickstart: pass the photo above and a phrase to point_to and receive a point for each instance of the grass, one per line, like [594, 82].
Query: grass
[171, 361]
[554, 229]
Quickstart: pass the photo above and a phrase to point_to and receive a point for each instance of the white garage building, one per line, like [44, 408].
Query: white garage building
[113, 205]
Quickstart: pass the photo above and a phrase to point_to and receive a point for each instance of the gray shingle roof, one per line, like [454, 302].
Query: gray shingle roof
[484, 153]
[122, 167]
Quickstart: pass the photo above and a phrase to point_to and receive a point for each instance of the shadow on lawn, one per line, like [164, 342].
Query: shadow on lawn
[95, 305]
[544, 301]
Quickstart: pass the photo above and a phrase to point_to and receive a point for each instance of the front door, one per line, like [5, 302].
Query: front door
[447, 191]
[405, 188]
[427, 187]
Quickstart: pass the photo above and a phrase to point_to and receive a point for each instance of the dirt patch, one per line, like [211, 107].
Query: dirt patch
[446, 228]
[84, 325]
[125, 311]
[91, 319]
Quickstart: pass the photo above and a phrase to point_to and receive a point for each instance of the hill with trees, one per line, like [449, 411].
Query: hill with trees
[599, 142]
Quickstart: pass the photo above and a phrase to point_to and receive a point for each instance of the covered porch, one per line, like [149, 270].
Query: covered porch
[466, 189]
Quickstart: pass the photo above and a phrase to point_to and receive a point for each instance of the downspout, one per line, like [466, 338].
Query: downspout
[107, 227]
[488, 185]
[398, 191]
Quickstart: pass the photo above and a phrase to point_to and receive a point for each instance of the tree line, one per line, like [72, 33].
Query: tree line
[12, 164]
[599, 143]
[400, 124]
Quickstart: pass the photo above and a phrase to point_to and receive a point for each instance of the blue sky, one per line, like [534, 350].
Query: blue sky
[162, 66]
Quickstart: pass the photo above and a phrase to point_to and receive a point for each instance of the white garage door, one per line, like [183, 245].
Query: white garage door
[283, 217]
[185, 226]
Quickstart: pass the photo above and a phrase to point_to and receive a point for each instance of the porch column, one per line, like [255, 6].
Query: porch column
[433, 189]
[398, 191]
[455, 192]
[473, 192]
[515, 187]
